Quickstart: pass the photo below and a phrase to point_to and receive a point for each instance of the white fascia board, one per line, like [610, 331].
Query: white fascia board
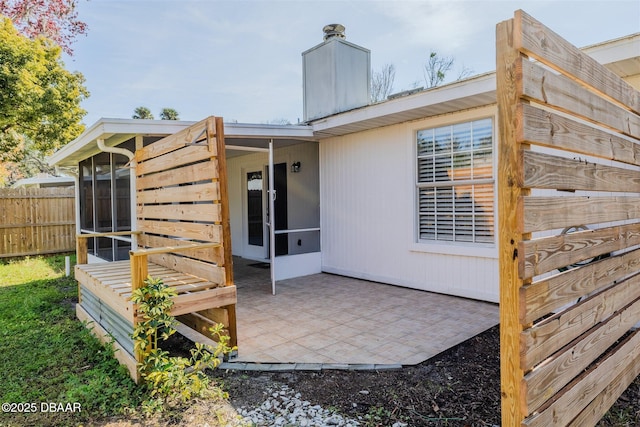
[612, 51]
[47, 180]
[105, 128]
[108, 128]
[463, 89]
[262, 131]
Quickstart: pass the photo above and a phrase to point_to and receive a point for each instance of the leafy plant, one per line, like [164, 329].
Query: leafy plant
[171, 380]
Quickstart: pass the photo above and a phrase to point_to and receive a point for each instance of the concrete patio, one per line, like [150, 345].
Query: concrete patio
[324, 320]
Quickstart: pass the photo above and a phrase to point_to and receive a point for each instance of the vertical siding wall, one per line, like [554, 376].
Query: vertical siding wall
[36, 221]
[368, 216]
[303, 196]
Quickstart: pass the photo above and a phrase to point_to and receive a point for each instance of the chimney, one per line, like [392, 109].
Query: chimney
[333, 30]
[336, 75]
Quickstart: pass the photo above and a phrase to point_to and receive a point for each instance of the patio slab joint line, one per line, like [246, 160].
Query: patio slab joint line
[279, 367]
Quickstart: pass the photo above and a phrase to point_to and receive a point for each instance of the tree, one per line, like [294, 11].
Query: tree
[437, 67]
[40, 99]
[142, 113]
[382, 82]
[53, 19]
[169, 114]
[23, 163]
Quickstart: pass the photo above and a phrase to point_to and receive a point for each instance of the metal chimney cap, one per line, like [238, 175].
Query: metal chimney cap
[333, 30]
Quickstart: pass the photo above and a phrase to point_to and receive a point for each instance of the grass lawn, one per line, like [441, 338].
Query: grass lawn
[47, 356]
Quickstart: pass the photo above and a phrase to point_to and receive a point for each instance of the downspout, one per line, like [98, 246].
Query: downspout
[115, 150]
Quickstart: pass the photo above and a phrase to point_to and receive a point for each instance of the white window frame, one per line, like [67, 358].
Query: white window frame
[476, 249]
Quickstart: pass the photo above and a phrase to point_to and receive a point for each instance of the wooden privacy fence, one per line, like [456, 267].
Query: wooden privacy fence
[569, 199]
[35, 221]
[183, 237]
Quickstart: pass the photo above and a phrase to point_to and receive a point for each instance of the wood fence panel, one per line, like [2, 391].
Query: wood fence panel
[569, 197]
[36, 221]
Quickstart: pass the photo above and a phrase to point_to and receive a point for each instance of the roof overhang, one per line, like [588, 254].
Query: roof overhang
[113, 132]
[49, 181]
[622, 55]
[242, 137]
[462, 95]
[116, 131]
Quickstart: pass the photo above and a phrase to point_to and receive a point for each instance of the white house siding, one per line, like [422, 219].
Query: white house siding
[367, 193]
[303, 196]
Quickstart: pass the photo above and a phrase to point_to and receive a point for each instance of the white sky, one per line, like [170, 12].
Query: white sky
[242, 59]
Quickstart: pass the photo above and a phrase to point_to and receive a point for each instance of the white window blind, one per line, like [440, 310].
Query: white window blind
[455, 182]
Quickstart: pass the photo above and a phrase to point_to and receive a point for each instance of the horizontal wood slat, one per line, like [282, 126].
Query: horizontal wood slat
[207, 192]
[194, 267]
[545, 128]
[200, 324]
[548, 379]
[550, 213]
[541, 43]
[589, 385]
[187, 174]
[543, 86]
[213, 255]
[188, 230]
[545, 338]
[197, 301]
[44, 224]
[184, 156]
[546, 254]
[192, 134]
[551, 293]
[183, 212]
[567, 124]
[560, 173]
[36, 193]
[599, 406]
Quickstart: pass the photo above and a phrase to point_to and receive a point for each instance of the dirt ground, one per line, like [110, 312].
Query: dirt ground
[460, 387]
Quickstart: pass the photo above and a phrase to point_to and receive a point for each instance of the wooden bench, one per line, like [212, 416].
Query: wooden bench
[183, 237]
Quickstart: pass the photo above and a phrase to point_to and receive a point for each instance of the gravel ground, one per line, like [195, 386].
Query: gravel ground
[459, 387]
[285, 407]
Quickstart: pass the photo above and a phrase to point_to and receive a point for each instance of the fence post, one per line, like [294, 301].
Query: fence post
[508, 72]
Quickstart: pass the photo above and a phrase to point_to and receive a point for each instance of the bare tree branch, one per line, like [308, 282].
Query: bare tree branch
[382, 82]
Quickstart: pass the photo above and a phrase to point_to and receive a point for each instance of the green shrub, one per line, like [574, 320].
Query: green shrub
[171, 380]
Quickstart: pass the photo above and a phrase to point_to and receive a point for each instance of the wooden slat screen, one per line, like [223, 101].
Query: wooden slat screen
[569, 208]
[180, 196]
[35, 221]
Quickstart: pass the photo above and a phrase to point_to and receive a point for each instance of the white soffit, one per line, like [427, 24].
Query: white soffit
[116, 131]
[470, 93]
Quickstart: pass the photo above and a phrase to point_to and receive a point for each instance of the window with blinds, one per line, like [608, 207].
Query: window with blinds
[455, 183]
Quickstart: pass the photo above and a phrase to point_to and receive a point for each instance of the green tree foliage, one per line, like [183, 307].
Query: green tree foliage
[142, 113]
[169, 114]
[40, 99]
[27, 162]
